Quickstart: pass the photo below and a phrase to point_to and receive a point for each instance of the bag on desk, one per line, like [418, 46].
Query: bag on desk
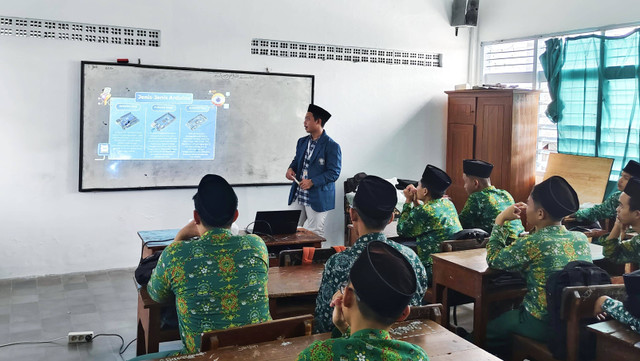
[145, 267]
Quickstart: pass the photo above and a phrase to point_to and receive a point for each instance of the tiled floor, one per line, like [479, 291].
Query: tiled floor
[44, 308]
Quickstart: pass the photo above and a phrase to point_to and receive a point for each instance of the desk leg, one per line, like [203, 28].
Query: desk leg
[442, 296]
[480, 315]
[143, 329]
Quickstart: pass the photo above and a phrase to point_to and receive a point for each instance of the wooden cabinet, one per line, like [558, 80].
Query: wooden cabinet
[497, 126]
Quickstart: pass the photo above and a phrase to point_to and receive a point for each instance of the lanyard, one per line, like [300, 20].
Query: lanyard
[309, 151]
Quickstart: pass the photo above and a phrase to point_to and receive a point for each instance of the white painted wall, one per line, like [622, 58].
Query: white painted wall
[509, 19]
[389, 120]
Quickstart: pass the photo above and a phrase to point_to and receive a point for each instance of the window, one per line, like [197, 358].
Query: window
[512, 63]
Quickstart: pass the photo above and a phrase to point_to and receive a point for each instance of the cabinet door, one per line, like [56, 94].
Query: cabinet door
[462, 110]
[493, 137]
[460, 142]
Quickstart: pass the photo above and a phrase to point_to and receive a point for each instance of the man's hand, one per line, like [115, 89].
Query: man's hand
[410, 193]
[338, 316]
[512, 212]
[569, 218]
[619, 230]
[291, 175]
[306, 184]
[598, 312]
[187, 232]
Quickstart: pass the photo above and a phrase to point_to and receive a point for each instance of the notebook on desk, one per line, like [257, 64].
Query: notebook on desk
[276, 222]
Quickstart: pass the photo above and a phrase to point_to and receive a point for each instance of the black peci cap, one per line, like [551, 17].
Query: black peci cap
[375, 197]
[215, 201]
[383, 279]
[319, 112]
[477, 168]
[435, 179]
[632, 189]
[556, 196]
[633, 168]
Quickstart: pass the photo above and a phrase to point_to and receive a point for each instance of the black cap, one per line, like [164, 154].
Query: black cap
[477, 168]
[632, 189]
[215, 201]
[319, 112]
[556, 196]
[383, 279]
[633, 168]
[375, 198]
[435, 179]
[632, 286]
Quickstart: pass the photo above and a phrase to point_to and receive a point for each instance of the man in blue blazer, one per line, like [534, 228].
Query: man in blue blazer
[314, 170]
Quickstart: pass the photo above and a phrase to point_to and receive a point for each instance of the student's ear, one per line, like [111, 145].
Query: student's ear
[353, 214]
[404, 314]
[392, 218]
[476, 183]
[348, 298]
[196, 217]
[235, 216]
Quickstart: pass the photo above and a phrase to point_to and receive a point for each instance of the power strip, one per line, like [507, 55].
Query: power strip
[80, 336]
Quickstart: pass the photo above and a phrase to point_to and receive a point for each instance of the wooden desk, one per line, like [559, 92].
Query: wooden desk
[159, 239]
[284, 283]
[439, 343]
[468, 273]
[615, 341]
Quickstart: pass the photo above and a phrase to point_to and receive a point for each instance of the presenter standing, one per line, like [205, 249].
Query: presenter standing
[314, 170]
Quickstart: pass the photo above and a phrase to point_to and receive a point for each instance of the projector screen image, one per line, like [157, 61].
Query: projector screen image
[160, 127]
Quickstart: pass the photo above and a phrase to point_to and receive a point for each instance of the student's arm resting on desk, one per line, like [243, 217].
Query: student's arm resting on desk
[159, 286]
[413, 221]
[621, 251]
[333, 163]
[467, 212]
[511, 258]
[604, 210]
[616, 309]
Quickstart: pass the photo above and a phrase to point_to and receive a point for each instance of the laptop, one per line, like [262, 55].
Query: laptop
[276, 222]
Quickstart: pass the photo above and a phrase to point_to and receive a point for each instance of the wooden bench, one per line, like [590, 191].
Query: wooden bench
[259, 332]
[578, 303]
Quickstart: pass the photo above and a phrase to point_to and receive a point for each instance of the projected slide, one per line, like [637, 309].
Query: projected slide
[159, 126]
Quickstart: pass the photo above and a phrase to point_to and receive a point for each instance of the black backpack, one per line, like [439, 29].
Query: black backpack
[575, 273]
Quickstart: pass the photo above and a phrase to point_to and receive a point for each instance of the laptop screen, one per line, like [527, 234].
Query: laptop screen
[276, 222]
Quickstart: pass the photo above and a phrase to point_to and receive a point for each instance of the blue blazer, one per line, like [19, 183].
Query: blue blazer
[324, 170]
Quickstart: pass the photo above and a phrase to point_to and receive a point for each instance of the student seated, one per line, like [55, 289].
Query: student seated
[628, 216]
[377, 293]
[371, 211]
[627, 312]
[536, 256]
[218, 280]
[485, 202]
[607, 209]
[433, 221]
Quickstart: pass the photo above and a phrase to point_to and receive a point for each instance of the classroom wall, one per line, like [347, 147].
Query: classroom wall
[389, 120]
[510, 19]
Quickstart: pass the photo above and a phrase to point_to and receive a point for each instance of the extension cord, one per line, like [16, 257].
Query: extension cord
[80, 336]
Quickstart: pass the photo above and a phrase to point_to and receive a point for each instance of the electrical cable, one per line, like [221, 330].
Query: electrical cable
[31, 342]
[122, 346]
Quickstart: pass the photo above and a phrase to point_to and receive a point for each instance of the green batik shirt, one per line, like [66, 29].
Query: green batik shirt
[616, 309]
[219, 281]
[337, 268]
[431, 223]
[604, 210]
[622, 252]
[483, 207]
[364, 345]
[536, 257]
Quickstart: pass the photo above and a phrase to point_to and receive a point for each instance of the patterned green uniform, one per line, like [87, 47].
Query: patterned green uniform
[364, 345]
[622, 252]
[537, 256]
[219, 281]
[431, 223]
[336, 271]
[616, 309]
[483, 207]
[604, 210]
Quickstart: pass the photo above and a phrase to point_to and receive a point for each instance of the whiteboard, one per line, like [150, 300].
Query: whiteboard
[146, 127]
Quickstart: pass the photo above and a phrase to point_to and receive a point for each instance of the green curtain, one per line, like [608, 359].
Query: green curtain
[598, 94]
[551, 61]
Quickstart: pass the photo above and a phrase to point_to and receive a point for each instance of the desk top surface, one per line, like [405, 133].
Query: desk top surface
[439, 343]
[476, 259]
[617, 331]
[163, 237]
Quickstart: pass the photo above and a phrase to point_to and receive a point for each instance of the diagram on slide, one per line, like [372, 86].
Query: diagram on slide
[160, 126]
